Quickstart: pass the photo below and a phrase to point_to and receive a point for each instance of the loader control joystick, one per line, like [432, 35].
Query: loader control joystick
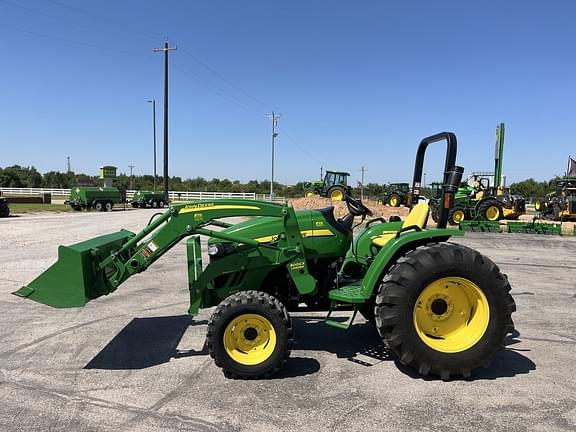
[356, 207]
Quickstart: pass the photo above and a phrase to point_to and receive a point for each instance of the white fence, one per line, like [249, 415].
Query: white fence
[173, 195]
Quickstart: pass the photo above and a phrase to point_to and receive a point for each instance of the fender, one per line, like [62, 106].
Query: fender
[412, 239]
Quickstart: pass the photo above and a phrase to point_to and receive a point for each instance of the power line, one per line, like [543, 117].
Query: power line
[154, 38]
[75, 42]
[226, 80]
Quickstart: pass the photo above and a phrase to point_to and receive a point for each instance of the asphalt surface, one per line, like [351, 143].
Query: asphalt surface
[134, 361]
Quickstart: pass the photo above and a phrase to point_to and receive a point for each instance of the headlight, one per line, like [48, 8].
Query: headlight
[215, 249]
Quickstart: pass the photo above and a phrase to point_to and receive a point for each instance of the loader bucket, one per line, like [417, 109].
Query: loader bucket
[76, 277]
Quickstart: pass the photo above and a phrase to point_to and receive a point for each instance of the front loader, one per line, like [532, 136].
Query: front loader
[442, 308]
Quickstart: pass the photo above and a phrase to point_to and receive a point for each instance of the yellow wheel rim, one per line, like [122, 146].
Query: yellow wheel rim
[492, 213]
[249, 339]
[336, 195]
[309, 194]
[393, 201]
[458, 216]
[451, 315]
[537, 205]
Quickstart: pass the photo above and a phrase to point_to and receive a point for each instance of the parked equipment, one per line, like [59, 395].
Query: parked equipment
[4, 207]
[143, 199]
[97, 198]
[442, 308]
[478, 200]
[334, 186]
[396, 194]
[560, 204]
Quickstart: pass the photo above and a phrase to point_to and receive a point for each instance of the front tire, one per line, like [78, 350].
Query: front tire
[444, 310]
[395, 200]
[336, 193]
[309, 193]
[491, 210]
[250, 335]
[456, 215]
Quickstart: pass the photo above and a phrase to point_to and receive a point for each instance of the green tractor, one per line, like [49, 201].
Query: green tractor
[441, 308]
[334, 186]
[396, 194]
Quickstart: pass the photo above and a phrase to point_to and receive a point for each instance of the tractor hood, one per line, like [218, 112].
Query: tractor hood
[322, 234]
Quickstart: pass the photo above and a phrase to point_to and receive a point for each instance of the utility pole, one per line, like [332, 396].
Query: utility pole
[274, 118]
[131, 182]
[68, 164]
[166, 49]
[153, 101]
[321, 173]
[362, 183]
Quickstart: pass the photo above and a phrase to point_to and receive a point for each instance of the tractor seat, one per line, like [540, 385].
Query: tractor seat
[418, 217]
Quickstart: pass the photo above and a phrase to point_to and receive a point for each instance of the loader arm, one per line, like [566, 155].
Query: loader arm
[97, 267]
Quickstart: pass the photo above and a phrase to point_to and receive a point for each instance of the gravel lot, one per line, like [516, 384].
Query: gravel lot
[134, 361]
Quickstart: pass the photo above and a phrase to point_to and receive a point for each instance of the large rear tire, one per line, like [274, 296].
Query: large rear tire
[444, 310]
[250, 335]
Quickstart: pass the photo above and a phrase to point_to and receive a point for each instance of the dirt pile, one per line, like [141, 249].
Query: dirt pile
[340, 209]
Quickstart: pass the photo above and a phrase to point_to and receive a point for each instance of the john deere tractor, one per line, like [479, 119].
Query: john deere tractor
[333, 186]
[480, 201]
[560, 204]
[441, 308]
[396, 194]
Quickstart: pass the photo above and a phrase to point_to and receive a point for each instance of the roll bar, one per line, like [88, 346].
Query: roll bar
[452, 174]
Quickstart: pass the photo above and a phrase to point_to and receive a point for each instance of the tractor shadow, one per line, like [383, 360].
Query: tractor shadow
[146, 342]
[361, 344]
[507, 363]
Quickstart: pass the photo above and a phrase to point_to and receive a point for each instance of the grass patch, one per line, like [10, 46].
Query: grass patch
[17, 208]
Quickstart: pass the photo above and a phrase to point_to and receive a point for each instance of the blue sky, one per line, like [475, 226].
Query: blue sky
[357, 84]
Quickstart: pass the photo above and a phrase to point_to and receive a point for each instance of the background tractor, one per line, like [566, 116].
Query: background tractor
[396, 194]
[333, 186]
[441, 308]
[560, 204]
[477, 199]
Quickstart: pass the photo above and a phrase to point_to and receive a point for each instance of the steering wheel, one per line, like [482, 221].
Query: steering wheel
[355, 207]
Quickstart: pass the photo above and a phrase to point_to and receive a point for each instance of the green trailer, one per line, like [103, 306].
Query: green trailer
[97, 198]
[143, 199]
[441, 308]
